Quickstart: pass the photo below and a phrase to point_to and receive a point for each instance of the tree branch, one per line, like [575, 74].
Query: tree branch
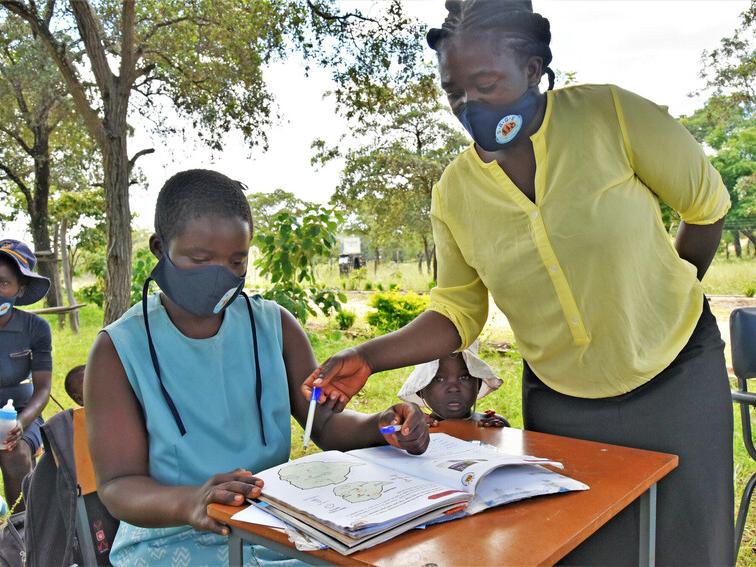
[128, 56]
[18, 181]
[17, 138]
[49, 11]
[57, 51]
[143, 71]
[344, 18]
[139, 154]
[89, 30]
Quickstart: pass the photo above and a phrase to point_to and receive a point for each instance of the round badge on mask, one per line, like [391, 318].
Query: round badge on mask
[5, 307]
[508, 127]
[224, 300]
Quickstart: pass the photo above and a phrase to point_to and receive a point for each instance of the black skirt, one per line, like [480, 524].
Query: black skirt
[685, 410]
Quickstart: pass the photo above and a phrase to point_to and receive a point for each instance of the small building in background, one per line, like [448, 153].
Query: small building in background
[351, 257]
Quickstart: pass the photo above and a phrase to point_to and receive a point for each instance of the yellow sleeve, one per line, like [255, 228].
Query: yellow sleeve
[669, 161]
[460, 295]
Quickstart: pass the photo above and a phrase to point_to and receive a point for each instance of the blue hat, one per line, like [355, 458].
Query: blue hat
[36, 286]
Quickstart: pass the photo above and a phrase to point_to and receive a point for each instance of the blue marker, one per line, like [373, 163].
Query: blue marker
[389, 429]
[311, 415]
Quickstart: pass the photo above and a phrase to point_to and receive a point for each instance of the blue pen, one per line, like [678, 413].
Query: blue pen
[311, 415]
[389, 429]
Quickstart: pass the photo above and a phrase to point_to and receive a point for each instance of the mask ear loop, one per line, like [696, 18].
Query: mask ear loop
[156, 364]
[258, 376]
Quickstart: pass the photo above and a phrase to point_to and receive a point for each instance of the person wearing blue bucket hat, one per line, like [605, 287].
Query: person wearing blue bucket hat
[25, 361]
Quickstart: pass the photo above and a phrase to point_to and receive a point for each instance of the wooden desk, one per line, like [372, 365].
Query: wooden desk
[538, 531]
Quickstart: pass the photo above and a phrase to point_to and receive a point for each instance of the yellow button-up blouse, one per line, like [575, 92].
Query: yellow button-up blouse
[595, 292]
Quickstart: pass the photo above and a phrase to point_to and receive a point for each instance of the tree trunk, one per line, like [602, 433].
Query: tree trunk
[59, 296]
[377, 261]
[435, 265]
[736, 242]
[73, 316]
[118, 214]
[37, 207]
[750, 236]
[428, 254]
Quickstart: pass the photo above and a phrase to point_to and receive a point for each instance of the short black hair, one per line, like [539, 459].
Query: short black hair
[197, 193]
[75, 371]
[527, 33]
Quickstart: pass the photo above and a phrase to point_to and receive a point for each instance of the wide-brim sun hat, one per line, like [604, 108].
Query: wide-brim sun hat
[422, 375]
[36, 286]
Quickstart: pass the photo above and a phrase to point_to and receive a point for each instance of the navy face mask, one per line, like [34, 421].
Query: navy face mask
[7, 303]
[205, 290]
[494, 126]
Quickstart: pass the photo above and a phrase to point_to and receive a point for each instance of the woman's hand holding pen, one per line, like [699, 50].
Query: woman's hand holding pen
[340, 377]
[404, 425]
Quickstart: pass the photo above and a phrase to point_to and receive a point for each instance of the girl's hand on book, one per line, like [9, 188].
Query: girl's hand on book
[413, 436]
[340, 377]
[232, 488]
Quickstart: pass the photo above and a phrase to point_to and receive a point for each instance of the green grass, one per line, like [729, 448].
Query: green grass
[725, 277]
[731, 277]
[70, 350]
[405, 275]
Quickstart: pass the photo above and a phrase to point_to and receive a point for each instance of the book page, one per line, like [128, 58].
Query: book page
[352, 495]
[448, 460]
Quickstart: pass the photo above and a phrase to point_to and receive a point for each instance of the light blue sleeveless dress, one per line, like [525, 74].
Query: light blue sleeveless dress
[212, 383]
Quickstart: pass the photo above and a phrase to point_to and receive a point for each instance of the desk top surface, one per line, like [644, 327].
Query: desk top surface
[537, 531]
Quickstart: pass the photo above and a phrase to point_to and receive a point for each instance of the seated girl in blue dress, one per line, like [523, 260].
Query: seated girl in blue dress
[190, 391]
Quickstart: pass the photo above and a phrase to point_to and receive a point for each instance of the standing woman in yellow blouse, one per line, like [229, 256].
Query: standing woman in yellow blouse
[554, 211]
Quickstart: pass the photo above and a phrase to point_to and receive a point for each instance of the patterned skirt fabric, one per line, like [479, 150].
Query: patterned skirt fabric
[184, 547]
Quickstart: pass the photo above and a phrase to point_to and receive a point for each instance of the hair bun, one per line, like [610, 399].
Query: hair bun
[517, 5]
[453, 6]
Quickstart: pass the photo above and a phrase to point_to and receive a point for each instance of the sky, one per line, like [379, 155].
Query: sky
[651, 47]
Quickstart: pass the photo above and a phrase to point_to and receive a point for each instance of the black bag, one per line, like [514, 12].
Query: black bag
[62, 527]
[12, 552]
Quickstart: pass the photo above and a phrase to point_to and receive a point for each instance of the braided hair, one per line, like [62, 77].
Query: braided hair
[525, 32]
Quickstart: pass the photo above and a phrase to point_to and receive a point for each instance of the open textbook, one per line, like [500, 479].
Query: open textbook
[352, 501]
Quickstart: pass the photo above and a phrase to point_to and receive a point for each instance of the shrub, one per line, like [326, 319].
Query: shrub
[141, 266]
[345, 319]
[394, 310]
[393, 286]
[94, 293]
[379, 286]
[368, 286]
[750, 290]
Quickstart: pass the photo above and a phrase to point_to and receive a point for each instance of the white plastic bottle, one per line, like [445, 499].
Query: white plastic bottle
[8, 417]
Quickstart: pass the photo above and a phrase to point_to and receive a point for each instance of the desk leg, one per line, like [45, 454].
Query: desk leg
[237, 538]
[235, 550]
[647, 550]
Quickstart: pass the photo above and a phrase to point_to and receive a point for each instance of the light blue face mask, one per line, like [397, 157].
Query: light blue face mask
[204, 291]
[7, 303]
[493, 127]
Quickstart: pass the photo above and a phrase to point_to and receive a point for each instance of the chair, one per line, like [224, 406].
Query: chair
[95, 527]
[743, 345]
